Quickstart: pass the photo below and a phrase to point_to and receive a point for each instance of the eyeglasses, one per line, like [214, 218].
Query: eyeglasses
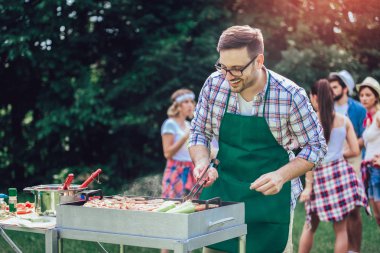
[233, 72]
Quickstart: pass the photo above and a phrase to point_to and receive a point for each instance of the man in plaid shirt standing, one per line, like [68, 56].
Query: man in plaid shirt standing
[259, 118]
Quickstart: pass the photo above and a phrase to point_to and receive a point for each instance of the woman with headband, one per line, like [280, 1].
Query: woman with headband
[178, 176]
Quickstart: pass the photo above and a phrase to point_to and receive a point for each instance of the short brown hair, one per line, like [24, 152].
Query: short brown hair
[242, 36]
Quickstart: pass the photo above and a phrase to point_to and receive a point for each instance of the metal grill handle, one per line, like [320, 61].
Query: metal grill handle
[219, 223]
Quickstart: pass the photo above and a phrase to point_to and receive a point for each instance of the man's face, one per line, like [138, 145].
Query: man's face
[237, 59]
[338, 90]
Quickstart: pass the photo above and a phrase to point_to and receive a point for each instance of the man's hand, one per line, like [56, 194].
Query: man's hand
[210, 177]
[268, 184]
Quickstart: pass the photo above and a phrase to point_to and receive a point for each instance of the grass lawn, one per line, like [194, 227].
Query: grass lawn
[324, 237]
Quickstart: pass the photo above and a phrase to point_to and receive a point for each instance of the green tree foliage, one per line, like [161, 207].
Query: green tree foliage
[86, 84]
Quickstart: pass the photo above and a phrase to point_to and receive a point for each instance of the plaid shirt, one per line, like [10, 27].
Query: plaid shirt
[289, 115]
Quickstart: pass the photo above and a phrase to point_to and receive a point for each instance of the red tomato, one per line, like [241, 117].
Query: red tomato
[28, 204]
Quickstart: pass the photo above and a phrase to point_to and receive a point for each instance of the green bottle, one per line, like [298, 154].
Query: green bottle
[12, 200]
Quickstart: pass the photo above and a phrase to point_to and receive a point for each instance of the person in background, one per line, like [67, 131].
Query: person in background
[332, 189]
[178, 177]
[259, 118]
[342, 85]
[369, 93]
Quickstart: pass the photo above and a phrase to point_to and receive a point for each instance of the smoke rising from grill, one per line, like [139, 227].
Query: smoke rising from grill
[144, 186]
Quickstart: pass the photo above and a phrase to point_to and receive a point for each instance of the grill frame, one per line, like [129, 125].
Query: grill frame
[179, 232]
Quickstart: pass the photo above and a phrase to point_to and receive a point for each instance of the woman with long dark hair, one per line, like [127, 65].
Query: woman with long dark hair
[332, 189]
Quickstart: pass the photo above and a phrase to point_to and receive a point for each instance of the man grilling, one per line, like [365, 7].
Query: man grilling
[259, 118]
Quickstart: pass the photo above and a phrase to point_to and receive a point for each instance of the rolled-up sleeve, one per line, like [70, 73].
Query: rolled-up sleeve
[200, 130]
[307, 129]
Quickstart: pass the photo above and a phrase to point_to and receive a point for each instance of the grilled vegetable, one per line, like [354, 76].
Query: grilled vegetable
[186, 207]
[167, 205]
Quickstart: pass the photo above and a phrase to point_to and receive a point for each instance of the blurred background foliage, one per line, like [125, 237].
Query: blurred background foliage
[86, 84]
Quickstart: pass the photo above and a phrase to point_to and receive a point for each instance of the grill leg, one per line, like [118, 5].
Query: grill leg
[242, 241]
[181, 248]
[60, 245]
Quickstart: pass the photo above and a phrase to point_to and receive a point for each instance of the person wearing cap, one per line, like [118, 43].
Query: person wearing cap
[259, 118]
[369, 94]
[342, 85]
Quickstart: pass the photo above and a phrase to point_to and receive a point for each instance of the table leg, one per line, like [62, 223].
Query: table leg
[51, 241]
[121, 248]
[9, 241]
[242, 244]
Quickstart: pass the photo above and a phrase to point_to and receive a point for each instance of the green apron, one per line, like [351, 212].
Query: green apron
[247, 150]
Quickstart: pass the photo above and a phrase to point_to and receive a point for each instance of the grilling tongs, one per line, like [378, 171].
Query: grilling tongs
[200, 182]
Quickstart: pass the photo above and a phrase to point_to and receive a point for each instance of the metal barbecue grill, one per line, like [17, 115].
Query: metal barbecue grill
[175, 231]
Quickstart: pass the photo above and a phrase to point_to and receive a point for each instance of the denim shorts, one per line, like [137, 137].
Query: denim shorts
[374, 184]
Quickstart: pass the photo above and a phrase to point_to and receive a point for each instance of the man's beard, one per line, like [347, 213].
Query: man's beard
[244, 85]
[338, 97]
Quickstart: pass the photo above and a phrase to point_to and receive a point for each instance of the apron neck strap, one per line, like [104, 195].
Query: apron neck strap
[265, 98]
[228, 100]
